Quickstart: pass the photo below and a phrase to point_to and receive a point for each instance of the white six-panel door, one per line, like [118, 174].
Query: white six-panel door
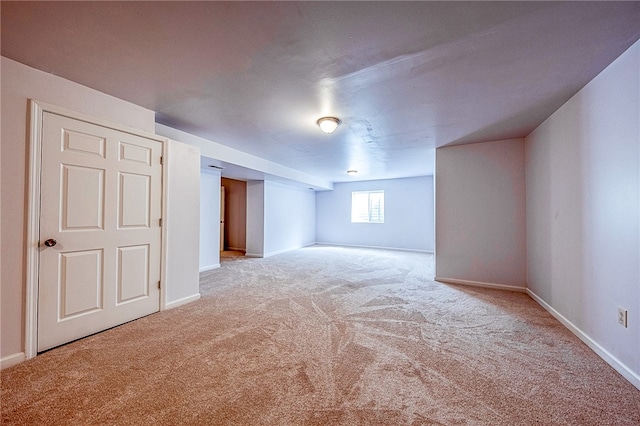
[100, 234]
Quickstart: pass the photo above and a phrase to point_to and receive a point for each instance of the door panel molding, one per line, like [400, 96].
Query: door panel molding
[36, 110]
[90, 263]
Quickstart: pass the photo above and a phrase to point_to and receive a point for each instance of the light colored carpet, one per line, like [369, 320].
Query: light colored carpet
[327, 336]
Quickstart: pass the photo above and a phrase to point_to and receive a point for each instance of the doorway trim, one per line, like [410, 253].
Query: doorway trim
[36, 110]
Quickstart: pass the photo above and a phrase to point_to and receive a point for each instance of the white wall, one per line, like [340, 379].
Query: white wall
[280, 218]
[182, 283]
[480, 214]
[408, 222]
[20, 83]
[255, 218]
[289, 218]
[209, 219]
[583, 213]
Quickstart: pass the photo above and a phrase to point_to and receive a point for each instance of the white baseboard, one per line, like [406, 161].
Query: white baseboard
[482, 284]
[209, 268]
[182, 301]
[376, 247]
[11, 360]
[614, 362]
[275, 253]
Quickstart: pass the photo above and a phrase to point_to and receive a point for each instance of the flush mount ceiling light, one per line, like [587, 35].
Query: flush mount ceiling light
[352, 172]
[328, 124]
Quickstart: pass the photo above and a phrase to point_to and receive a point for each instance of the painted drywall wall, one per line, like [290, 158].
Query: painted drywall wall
[183, 219]
[209, 219]
[255, 218]
[409, 215]
[480, 214]
[583, 213]
[280, 218]
[289, 218]
[20, 83]
[235, 214]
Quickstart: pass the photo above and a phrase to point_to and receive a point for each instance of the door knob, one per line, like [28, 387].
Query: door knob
[50, 242]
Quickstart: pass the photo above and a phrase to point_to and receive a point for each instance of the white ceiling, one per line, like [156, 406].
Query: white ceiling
[404, 77]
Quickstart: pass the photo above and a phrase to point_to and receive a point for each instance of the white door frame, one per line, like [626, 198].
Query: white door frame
[36, 111]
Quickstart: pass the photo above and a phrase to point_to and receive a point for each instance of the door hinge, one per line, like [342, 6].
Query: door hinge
[160, 222]
[161, 160]
[159, 285]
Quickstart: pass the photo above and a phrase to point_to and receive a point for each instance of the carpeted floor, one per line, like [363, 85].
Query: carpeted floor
[327, 336]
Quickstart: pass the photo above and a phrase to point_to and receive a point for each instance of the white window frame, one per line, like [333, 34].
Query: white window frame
[367, 211]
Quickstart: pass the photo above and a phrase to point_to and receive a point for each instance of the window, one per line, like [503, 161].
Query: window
[367, 207]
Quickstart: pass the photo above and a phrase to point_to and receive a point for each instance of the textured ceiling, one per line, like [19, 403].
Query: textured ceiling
[404, 77]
